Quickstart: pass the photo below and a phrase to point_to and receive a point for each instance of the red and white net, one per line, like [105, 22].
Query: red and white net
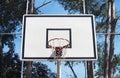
[58, 46]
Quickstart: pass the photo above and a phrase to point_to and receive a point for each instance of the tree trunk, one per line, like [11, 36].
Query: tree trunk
[31, 7]
[2, 65]
[29, 69]
[107, 45]
[106, 52]
[113, 22]
[90, 69]
[109, 53]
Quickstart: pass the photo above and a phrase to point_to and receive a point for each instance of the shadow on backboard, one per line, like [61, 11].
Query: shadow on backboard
[53, 56]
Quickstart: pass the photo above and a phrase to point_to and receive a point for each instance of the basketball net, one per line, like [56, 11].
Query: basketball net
[58, 46]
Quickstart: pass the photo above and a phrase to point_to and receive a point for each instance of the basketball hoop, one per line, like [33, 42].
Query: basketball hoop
[58, 46]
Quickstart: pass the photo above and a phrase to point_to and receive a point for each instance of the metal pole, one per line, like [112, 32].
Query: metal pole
[22, 69]
[11, 33]
[85, 64]
[84, 12]
[58, 69]
[27, 4]
[107, 33]
[17, 33]
[84, 8]
[89, 65]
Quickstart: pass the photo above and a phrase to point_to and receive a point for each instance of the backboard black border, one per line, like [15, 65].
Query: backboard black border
[59, 29]
[65, 58]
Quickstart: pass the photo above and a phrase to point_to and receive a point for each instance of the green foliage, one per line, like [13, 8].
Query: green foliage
[117, 76]
[72, 6]
[11, 12]
[117, 62]
[13, 65]
[100, 61]
[76, 6]
[40, 70]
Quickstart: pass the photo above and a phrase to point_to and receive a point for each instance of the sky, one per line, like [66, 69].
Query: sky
[55, 8]
[51, 8]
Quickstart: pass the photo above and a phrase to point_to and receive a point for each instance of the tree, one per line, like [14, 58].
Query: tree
[112, 21]
[13, 65]
[39, 70]
[42, 71]
[10, 14]
[100, 61]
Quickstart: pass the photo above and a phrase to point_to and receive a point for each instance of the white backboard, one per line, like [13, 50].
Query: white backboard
[39, 29]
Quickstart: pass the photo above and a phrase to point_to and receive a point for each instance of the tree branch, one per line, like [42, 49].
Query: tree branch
[43, 5]
[72, 70]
